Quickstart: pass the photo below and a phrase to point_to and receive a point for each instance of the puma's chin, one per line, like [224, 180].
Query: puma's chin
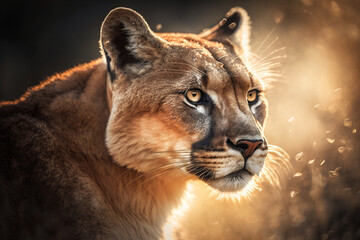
[233, 182]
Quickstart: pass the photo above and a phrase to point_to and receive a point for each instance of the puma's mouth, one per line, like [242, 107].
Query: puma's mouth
[227, 171]
[231, 182]
[234, 175]
[239, 173]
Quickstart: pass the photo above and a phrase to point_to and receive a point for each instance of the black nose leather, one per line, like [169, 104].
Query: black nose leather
[246, 147]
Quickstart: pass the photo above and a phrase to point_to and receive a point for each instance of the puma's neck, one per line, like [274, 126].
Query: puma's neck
[139, 203]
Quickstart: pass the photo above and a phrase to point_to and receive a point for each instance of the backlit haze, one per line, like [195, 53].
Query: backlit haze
[308, 51]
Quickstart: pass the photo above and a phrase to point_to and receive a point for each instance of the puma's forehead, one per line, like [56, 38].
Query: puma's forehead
[214, 58]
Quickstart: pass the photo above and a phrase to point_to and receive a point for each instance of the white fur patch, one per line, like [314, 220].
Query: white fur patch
[253, 107]
[214, 97]
[201, 109]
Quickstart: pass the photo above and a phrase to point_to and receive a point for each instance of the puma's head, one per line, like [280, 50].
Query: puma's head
[184, 105]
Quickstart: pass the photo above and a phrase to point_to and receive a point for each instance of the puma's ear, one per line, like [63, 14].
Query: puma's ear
[128, 44]
[235, 27]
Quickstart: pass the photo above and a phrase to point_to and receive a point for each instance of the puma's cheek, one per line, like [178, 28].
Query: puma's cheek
[163, 134]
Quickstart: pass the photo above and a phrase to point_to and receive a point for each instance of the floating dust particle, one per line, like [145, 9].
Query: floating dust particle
[332, 108]
[335, 9]
[293, 194]
[278, 17]
[299, 156]
[341, 149]
[290, 131]
[347, 122]
[333, 174]
[311, 161]
[330, 140]
[338, 93]
[307, 2]
[343, 141]
[272, 237]
[347, 189]
[317, 107]
[322, 163]
[298, 174]
[353, 32]
[158, 27]
[327, 131]
[324, 236]
[314, 144]
[354, 130]
[291, 119]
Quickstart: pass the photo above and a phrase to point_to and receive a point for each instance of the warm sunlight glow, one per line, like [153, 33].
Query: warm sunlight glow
[308, 59]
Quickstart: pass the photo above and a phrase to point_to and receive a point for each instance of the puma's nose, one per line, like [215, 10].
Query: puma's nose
[246, 147]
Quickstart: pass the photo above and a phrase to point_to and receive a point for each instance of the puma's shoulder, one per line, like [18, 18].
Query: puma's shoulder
[46, 116]
[45, 138]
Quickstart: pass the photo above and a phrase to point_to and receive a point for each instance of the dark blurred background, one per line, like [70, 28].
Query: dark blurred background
[314, 105]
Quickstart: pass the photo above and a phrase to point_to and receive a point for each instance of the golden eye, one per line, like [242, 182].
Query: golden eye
[252, 96]
[193, 95]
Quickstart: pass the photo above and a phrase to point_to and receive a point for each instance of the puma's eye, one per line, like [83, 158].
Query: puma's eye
[193, 95]
[252, 96]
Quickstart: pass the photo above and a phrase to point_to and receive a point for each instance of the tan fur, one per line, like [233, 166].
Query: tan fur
[109, 146]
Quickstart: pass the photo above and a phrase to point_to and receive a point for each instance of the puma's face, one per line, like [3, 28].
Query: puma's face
[184, 105]
[223, 108]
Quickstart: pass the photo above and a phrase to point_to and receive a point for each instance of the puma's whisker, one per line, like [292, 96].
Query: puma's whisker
[268, 46]
[267, 59]
[265, 39]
